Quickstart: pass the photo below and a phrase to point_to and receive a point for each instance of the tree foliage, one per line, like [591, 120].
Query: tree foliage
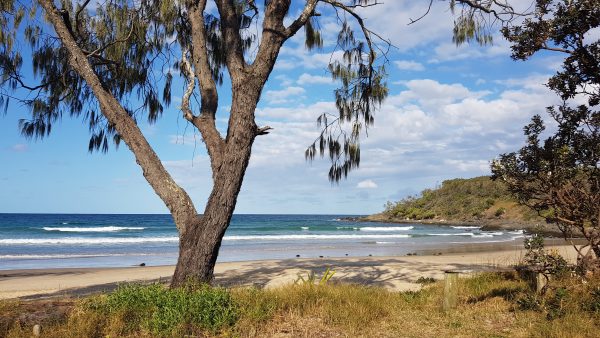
[113, 63]
[134, 47]
[558, 173]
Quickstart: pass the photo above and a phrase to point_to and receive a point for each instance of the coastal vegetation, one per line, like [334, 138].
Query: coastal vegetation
[460, 200]
[490, 305]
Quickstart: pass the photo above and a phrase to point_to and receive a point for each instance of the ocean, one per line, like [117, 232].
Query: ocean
[29, 241]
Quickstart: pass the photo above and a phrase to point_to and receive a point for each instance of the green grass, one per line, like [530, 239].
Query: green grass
[490, 305]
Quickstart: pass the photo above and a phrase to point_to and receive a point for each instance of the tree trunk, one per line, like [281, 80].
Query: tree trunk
[199, 242]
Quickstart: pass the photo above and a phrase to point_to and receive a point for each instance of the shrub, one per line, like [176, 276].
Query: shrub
[500, 212]
[165, 312]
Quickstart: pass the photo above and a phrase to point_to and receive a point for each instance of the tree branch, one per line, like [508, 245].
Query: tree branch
[174, 197]
[307, 12]
[230, 28]
[209, 98]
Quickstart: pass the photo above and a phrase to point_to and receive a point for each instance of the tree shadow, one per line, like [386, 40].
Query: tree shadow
[391, 273]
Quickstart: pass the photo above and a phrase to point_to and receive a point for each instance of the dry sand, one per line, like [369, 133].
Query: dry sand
[396, 273]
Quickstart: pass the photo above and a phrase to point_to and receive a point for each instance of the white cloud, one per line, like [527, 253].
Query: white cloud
[283, 96]
[366, 184]
[448, 51]
[306, 78]
[392, 18]
[298, 113]
[409, 65]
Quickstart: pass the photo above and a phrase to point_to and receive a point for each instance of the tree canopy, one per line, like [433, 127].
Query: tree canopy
[136, 48]
[557, 173]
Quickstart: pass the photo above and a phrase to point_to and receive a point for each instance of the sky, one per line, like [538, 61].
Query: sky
[450, 111]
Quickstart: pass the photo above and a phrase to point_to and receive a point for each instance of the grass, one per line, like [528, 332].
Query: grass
[490, 305]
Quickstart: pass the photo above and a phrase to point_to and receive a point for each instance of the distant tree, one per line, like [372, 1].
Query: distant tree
[103, 61]
[558, 173]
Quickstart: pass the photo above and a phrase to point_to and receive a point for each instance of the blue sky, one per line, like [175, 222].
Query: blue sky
[449, 112]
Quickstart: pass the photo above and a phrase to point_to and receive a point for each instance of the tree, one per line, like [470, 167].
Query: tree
[100, 64]
[558, 174]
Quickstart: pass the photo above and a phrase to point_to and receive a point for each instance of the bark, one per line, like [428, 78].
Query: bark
[199, 244]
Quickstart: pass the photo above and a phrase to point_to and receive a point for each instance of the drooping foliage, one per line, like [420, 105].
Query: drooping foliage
[135, 47]
[557, 173]
[363, 89]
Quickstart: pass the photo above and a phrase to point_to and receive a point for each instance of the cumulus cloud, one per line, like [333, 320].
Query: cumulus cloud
[448, 51]
[284, 95]
[409, 65]
[313, 79]
[366, 184]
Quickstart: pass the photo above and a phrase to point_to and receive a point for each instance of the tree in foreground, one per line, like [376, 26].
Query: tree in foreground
[103, 61]
[558, 173]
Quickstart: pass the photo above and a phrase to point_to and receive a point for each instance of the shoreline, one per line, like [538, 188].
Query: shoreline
[393, 272]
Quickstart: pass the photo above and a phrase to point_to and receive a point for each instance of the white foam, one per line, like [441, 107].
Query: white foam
[474, 235]
[464, 227]
[304, 228]
[63, 256]
[386, 228]
[482, 236]
[80, 240]
[301, 237]
[516, 232]
[92, 229]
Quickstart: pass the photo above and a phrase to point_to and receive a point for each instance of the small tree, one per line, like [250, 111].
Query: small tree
[558, 174]
[103, 61]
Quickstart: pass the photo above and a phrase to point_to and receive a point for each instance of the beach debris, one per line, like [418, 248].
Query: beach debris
[37, 330]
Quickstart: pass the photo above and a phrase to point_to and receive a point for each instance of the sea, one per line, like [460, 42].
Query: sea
[33, 241]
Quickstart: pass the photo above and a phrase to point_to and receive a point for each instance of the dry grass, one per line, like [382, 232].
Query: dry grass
[490, 305]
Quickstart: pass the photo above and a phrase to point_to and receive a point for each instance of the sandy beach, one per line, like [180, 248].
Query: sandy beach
[395, 273]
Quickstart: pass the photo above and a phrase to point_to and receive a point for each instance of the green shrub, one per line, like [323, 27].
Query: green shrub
[165, 312]
[500, 212]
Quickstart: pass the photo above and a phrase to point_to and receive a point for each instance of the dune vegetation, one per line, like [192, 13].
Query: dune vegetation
[490, 305]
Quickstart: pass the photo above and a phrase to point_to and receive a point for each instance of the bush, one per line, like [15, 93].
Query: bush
[500, 212]
[165, 312]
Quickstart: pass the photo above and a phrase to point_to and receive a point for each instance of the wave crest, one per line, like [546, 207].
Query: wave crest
[93, 229]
